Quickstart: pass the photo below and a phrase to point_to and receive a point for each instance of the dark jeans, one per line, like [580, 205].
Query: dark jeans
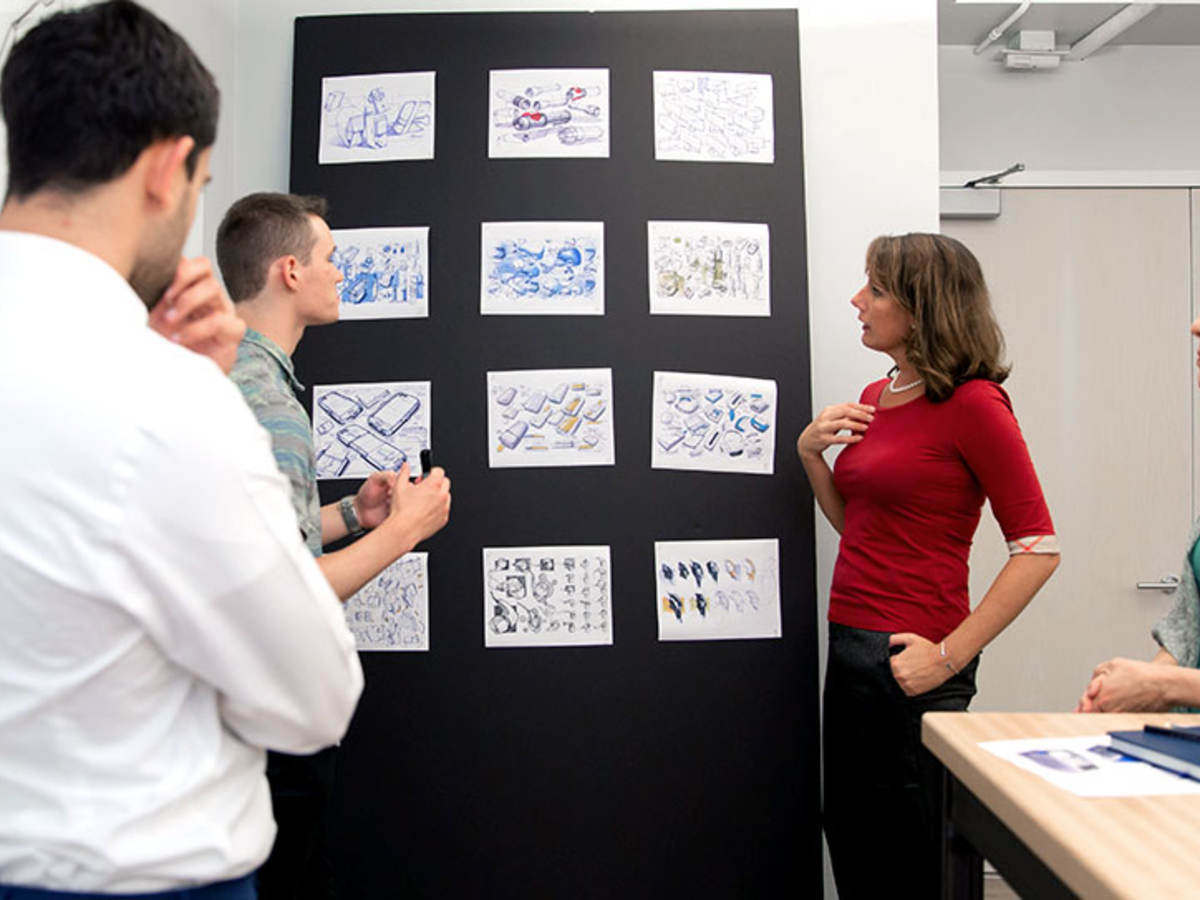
[300, 866]
[883, 789]
[237, 889]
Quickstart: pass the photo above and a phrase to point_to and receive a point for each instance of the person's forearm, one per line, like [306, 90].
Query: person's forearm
[1015, 585]
[1181, 685]
[820, 479]
[348, 569]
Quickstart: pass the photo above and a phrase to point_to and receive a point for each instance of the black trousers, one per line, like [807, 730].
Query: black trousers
[883, 790]
[300, 866]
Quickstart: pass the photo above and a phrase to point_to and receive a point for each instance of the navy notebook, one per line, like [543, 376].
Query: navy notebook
[1179, 753]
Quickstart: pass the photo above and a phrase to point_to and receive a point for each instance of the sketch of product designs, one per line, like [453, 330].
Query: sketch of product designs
[715, 423]
[714, 117]
[547, 596]
[709, 590]
[548, 113]
[550, 417]
[363, 428]
[376, 118]
[542, 268]
[391, 612]
[709, 268]
[384, 272]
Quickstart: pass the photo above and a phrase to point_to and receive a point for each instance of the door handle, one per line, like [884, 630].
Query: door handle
[1167, 585]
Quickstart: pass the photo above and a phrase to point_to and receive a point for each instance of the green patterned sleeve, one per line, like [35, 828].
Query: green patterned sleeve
[1178, 632]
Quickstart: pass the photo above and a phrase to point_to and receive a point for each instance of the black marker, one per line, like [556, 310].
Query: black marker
[426, 463]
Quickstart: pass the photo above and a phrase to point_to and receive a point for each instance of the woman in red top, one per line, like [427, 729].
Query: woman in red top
[925, 447]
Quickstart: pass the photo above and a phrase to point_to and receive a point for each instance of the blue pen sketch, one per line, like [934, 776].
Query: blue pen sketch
[713, 423]
[384, 272]
[542, 268]
[717, 589]
[363, 428]
[713, 117]
[709, 268]
[550, 418]
[696, 588]
[549, 113]
[391, 612]
[549, 596]
[373, 118]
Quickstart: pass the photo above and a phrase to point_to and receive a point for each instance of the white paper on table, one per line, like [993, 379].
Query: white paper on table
[377, 118]
[385, 272]
[709, 268]
[548, 113]
[542, 268]
[391, 611]
[547, 596]
[713, 423]
[717, 590]
[363, 428]
[550, 417]
[714, 117]
[1088, 767]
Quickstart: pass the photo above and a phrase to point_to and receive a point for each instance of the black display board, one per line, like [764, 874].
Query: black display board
[644, 768]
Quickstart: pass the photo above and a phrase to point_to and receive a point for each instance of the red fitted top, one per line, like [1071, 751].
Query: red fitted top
[913, 488]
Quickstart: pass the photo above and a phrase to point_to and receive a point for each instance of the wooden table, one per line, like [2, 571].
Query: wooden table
[1046, 841]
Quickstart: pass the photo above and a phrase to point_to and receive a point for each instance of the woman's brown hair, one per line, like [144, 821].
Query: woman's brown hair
[938, 281]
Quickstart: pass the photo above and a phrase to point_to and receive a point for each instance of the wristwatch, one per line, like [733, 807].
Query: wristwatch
[350, 515]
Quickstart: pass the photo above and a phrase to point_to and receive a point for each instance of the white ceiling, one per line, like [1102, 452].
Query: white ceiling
[969, 23]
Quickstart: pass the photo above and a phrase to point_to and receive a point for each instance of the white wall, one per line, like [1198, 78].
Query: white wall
[1127, 115]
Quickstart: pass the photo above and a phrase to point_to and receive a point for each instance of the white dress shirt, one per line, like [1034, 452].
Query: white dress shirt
[161, 620]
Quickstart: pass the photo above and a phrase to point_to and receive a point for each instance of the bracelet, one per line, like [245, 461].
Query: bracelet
[949, 665]
[350, 515]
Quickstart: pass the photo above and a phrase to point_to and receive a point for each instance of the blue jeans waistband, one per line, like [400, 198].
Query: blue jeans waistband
[237, 889]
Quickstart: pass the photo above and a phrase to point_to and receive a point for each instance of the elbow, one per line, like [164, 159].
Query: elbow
[1046, 564]
[307, 722]
[328, 720]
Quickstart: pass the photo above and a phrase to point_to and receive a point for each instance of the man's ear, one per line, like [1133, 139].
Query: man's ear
[166, 158]
[289, 272]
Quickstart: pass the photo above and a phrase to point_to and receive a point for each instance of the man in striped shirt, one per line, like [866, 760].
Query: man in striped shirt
[275, 252]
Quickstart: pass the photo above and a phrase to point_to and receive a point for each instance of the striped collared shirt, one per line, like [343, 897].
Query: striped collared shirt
[267, 380]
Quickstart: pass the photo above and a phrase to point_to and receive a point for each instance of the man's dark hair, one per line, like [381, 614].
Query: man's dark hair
[257, 230]
[86, 91]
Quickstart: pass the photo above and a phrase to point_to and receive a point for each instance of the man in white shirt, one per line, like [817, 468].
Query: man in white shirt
[160, 618]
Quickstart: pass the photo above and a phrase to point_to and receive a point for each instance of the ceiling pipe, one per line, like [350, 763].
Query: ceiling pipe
[998, 32]
[1107, 30]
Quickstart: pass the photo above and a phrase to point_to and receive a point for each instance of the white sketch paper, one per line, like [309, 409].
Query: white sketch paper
[709, 268]
[391, 611]
[713, 423]
[546, 596]
[717, 590]
[542, 268]
[548, 113]
[363, 428]
[376, 118]
[714, 117]
[550, 417]
[384, 272]
[1088, 767]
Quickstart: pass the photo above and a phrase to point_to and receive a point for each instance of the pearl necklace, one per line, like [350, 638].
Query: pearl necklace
[900, 390]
